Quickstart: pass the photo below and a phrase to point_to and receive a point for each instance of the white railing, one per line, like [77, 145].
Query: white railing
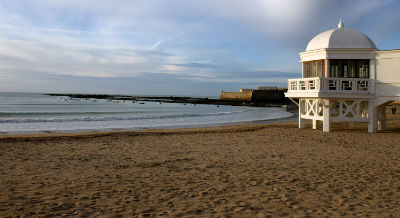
[321, 84]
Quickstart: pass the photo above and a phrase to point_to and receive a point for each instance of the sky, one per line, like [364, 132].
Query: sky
[172, 47]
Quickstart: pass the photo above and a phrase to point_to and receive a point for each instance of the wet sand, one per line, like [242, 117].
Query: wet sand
[265, 170]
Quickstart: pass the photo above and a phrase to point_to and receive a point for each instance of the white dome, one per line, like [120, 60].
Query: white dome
[340, 38]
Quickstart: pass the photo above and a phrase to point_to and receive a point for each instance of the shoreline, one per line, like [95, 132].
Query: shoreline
[393, 127]
[291, 118]
[149, 132]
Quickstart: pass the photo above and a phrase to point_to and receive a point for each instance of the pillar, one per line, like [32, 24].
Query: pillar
[301, 121]
[314, 124]
[326, 126]
[372, 116]
[381, 118]
[327, 67]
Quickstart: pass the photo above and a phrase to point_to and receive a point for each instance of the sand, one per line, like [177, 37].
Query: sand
[266, 170]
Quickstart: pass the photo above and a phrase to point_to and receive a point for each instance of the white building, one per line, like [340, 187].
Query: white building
[345, 78]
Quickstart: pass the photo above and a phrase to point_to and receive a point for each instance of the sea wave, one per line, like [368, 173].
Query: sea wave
[116, 118]
[66, 113]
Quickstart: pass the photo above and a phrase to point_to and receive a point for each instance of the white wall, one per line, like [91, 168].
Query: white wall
[388, 75]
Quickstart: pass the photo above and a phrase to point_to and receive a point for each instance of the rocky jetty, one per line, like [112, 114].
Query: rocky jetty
[185, 100]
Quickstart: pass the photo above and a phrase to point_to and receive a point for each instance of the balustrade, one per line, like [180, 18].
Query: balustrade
[329, 84]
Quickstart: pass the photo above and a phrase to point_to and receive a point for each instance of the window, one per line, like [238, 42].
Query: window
[334, 70]
[313, 69]
[349, 68]
[363, 69]
[345, 70]
[352, 71]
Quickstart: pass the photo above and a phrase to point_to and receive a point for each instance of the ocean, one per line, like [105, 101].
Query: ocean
[27, 112]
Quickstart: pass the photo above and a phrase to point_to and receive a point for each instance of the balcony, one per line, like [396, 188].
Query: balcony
[328, 86]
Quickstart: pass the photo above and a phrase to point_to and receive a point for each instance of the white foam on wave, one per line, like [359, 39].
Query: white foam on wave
[26, 114]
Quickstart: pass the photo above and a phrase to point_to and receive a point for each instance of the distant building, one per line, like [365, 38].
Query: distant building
[270, 95]
[345, 78]
[243, 95]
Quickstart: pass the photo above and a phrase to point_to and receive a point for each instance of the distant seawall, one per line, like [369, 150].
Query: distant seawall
[272, 95]
[237, 96]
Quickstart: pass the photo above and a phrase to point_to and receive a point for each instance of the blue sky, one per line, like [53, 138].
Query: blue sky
[172, 47]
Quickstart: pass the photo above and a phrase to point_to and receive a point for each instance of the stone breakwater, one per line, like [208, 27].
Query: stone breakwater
[277, 102]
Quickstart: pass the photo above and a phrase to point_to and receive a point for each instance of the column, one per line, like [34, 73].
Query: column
[314, 124]
[301, 108]
[372, 116]
[326, 126]
[372, 76]
[372, 71]
[326, 67]
[327, 72]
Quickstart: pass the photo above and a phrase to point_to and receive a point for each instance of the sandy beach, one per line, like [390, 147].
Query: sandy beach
[265, 170]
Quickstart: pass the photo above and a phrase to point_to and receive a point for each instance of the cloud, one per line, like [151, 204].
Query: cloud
[86, 61]
[155, 45]
[269, 74]
[195, 65]
[219, 42]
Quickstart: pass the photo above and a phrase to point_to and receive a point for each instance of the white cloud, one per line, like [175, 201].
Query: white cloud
[101, 38]
[156, 45]
[86, 61]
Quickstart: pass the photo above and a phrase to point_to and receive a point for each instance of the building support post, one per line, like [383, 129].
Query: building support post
[326, 126]
[381, 118]
[302, 123]
[326, 68]
[372, 116]
[314, 124]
